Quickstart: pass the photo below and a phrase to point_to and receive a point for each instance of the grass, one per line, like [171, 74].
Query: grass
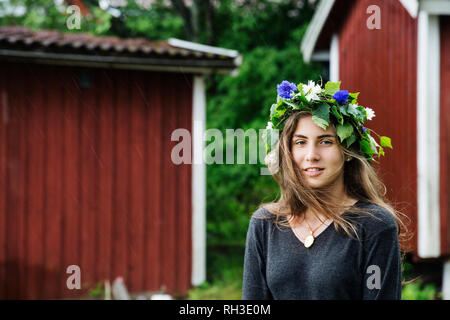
[218, 290]
[224, 276]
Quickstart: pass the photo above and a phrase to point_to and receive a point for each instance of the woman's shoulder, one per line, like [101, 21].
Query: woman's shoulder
[262, 213]
[377, 220]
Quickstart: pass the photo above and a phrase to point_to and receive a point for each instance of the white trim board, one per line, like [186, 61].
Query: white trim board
[438, 7]
[198, 183]
[334, 58]
[315, 27]
[428, 90]
[412, 6]
[206, 49]
[202, 47]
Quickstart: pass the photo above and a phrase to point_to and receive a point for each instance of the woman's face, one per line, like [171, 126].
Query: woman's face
[314, 147]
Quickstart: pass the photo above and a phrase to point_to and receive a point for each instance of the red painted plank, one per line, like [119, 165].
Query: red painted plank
[4, 103]
[12, 179]
[22, 113]
[106, 174]
[170, 199]
[122, 174]
[89, 182]
[36, 187]
[184, 211]
[54, 186]
[71, 254]
[154, 212]
[136, 218]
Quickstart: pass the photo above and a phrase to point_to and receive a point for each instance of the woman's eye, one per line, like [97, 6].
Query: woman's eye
[301, 142]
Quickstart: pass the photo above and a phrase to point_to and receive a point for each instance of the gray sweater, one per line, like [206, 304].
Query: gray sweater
[278, 266]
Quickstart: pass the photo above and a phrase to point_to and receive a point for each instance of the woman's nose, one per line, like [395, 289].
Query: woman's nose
[312, 154]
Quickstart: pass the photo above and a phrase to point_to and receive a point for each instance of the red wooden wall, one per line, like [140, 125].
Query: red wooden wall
[445, 134]
[86, 178]
[381, 65]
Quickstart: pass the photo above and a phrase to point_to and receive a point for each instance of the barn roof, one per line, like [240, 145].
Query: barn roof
[329, 16]
[21, 43]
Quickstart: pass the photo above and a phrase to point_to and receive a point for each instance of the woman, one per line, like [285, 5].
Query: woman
[332, 234]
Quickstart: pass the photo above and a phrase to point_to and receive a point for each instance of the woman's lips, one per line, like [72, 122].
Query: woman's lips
[314, 173]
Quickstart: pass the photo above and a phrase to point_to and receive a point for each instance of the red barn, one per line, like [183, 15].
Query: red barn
[397, 54]
[86, 173]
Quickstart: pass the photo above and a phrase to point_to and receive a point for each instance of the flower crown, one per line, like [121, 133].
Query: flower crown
[324, 103]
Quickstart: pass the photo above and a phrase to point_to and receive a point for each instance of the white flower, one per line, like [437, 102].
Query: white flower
[272, 161]
[269, 125]
[311, 90]
[370, 113]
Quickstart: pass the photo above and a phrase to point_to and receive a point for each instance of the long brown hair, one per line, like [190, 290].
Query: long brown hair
[360, 182]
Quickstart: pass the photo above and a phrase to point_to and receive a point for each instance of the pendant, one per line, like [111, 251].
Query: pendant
[309, 241]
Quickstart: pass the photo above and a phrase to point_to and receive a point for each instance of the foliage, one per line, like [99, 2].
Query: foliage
[161, 22]
[97, 291]
[323, 103]
[418, 291]
[217, 290]
[225, 274]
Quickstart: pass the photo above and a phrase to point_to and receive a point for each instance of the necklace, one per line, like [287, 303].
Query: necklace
[309, 240]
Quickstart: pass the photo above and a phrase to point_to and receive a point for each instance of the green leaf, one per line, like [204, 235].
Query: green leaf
[320, 122]
[337, 114]
[322, 111]
[300, 93]
[386, 142]
[352, 109]
[354, 97]
[373, 144]
[276, 112]
[321, 115]
[381, 152]
[362, 114]
[344, 131]
[351, 139]
[365, 147]
[332, 87]
[291, 104]
[343, 110]
[279, 101]
[272, 109]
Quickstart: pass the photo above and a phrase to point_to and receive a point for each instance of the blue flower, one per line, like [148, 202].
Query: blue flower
[341, 96]
[364, 129]
[285, 89]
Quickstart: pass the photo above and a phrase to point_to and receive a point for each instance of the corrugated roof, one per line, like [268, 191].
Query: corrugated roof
[20, 38]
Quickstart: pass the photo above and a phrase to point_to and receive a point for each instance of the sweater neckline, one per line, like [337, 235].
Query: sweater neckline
[323, 231]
